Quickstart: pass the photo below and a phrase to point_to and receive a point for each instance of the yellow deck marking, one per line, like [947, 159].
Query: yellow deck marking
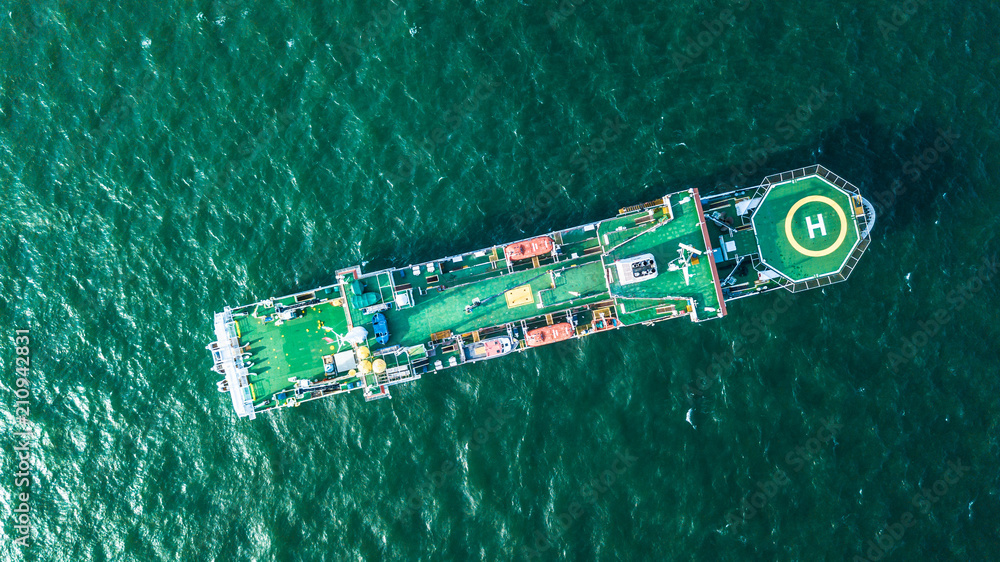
[829, 249]
[519, 296]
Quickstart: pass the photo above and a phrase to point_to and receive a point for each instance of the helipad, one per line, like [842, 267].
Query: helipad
[806, 228]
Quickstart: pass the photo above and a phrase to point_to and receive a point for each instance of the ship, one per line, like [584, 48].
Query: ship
[682, 255]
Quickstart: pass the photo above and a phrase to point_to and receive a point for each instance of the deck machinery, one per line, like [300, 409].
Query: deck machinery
[681, 255]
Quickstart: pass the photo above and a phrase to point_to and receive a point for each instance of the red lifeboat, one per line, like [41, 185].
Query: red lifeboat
[549, 334]
[528, 248]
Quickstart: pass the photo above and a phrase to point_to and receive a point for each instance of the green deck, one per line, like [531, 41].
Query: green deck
[445, 310]
[575, 279]
[663, 245]
[294, 349]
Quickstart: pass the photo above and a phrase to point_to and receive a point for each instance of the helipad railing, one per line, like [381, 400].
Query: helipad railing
[864, 223]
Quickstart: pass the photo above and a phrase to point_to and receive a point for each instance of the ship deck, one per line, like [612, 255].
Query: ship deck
[445, 310]
[581, 276]
[294, 349]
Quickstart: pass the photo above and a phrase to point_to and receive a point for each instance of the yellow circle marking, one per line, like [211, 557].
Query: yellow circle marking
[829, 249]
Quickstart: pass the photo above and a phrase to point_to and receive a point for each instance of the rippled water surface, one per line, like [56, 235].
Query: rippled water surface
[161, 160]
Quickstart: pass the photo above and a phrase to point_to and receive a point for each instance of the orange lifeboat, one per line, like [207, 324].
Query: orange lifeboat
[528, 248]
[549, 334]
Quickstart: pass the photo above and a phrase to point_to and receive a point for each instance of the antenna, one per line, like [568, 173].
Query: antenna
[691, 249]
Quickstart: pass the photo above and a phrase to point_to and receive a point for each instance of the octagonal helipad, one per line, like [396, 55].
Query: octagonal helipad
[806, 228]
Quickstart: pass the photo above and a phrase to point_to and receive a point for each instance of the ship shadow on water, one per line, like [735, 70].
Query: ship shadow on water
[903, 171]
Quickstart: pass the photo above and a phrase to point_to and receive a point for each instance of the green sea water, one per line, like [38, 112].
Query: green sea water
[162, 160]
